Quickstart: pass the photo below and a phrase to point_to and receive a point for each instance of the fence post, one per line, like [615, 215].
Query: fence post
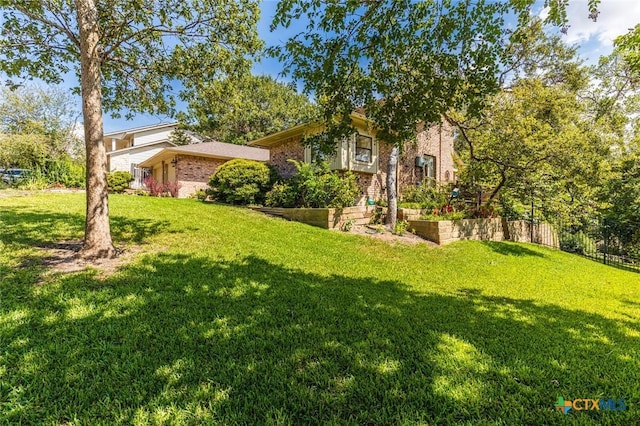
[606, 241]
[531, 224]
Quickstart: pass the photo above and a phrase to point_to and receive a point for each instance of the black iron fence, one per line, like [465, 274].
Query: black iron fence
[604, 240]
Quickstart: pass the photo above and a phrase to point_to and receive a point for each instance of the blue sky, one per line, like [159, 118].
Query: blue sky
[593, 38]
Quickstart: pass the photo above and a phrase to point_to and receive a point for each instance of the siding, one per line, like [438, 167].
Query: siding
[151, 136]
[122, 161]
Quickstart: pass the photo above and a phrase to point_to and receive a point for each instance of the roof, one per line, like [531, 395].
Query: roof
[299, 130]
[144, 145]
[123, 133]
[226, 151]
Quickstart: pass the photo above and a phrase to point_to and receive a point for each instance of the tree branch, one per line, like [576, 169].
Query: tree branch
[57, 25]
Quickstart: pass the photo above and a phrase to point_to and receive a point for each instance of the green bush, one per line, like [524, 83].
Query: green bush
[401, 227]
[403, 205]
[119, 181]
[241, 182]
[66, 172]
[453, 215]
[425, 197]
[281, 195]
[200, 195]
[315, 186]
[579, 243]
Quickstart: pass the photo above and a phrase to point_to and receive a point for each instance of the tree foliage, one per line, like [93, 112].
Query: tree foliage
[540, 135]
[400, 62]
[47, 111]
[143, 46]
[533, 137]
[628, 45]
[241, 110]
[127, 56]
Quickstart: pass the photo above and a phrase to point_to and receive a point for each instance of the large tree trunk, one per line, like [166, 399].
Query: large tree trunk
[97, 237]
[392, 198]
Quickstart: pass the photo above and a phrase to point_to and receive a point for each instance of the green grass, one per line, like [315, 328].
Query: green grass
[232, 317]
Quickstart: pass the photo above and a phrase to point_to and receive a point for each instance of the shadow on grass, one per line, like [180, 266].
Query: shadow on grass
[36, 227]
[186, 339]
[511, 249]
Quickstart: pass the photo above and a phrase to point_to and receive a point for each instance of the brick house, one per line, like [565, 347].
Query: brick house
[429, 159]
[192, 165]
[126, 149]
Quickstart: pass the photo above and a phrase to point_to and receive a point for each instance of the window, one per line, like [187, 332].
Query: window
[364, 148]
[430, 168]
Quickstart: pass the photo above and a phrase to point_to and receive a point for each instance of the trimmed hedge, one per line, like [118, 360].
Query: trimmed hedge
[241, 182]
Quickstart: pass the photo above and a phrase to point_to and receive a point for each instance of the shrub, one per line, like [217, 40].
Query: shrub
[579, 243]
[200, 195]
[67, 172]
[315, 186]
[445, 213]
[155, 188]
[119, 181]
[482, 213]
[401, 227]
[281, 195]
[426, 197]
[172, 188]
[241, 182]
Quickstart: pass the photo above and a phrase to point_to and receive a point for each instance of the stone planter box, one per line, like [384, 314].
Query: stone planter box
[409, 214]
[324, 217]
[447, 231]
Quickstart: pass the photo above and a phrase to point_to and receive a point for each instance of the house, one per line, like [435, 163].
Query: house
[128, 148]
[429, 160]
[191, 166]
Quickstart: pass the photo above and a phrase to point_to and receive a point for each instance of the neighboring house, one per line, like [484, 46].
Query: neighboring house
[429, 160]
[192, 165]
[128, 148]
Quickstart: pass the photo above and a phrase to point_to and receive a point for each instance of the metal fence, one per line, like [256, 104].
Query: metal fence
[610, 242]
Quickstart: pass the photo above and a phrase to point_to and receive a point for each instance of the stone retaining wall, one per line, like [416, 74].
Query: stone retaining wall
[438, 231]
[409, 214]
[447, 231]
[520, 231]
[324, 217]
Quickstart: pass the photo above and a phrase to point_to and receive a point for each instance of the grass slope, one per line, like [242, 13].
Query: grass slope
[233, 317]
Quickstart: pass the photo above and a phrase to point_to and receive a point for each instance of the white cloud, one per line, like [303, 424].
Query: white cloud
[616, 17]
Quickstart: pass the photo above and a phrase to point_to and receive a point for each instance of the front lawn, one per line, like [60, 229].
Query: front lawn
[233, 317]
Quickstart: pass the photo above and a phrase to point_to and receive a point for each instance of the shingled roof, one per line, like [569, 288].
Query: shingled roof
[221, 150]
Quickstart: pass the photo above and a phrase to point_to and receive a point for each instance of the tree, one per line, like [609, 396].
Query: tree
[533, 137]
[241, 110]
[628, 45]
[613, 100]
[127, 56]
[42, 110]
[401, 62]
[543, 132]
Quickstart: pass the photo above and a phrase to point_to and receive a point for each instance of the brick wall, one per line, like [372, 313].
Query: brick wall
[430, 141]
[436, 140]
[193, 173]
[290, 149]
